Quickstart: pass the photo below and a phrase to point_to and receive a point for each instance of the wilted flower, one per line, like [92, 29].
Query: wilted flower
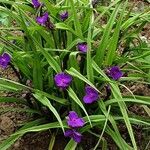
[72, 133]
[82, 47]
[114, 72]
[64, 15]
[62, 80]
[108, 92]
[42, 20]
[4, 60]
[50, 25]
[36, 3]
[91, 95]
[95, 2]
[74, 120]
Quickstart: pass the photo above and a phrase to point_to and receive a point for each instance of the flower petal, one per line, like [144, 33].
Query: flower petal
[73, 115]
[68, 133]
[88, 99]
[74, 121]
[77, 137]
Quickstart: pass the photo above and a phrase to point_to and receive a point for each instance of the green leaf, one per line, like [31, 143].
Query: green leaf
[77, 74]
[101, 135]
[71, 145]
[75, 19]
[12, 99]
[10, 140]
[64, 26]
[115, 38]
[47, 103]
[130, 100]
[89, 67]
[9, 85]
[117, 95]
[43, 127]
[99, 58]
[76, 99]
[51, 8]
[52, 62]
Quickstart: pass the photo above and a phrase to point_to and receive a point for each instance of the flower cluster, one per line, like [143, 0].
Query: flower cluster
[44, 19]
[74, 122]
[4, 60]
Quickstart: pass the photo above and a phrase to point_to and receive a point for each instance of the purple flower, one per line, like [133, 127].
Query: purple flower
[72, 133]
[64, 15]
[82, 47]
[74, 121]
[62, 80]
[114, 72]
[36, 3]
[4, 60]
[91, 95]
[42, 20]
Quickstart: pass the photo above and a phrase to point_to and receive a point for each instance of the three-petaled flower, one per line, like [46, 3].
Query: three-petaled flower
[42, 20]
[114, 72]
[64, 15]
[72, 133]
[82, 47]
[74, 120]
[36, 3]
[62, 80]
[91, 95]
[4, 60]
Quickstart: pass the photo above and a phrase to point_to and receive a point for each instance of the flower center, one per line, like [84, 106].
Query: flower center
[74, 120]
[3, 60]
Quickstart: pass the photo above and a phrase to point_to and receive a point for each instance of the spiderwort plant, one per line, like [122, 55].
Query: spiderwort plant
[53, 51]
[74, 121]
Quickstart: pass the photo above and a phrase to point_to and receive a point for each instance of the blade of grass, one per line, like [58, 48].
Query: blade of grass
[77, 74]
[71, 145]
[47, 103]
[101, 135]
[115, 38]
[76, 99]
[76, 20]
[99, 58]
[13, 99]
[88, 56]
[10, 140]
[117, 95]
